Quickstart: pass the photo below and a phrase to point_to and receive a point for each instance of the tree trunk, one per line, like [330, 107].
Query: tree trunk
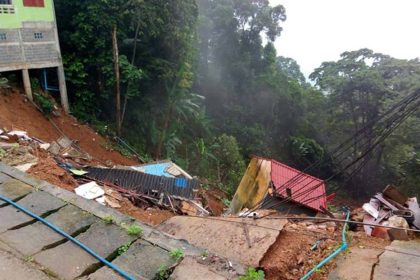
[168, 117]
[117, 80]
[133, 58]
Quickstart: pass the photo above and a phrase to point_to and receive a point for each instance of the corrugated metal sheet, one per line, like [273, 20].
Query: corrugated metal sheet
[281, 174]
[144, 183]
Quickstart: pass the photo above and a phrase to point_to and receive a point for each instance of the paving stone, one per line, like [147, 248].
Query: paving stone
[33, 238]
[38, 203]
[399, 261]
[169, 243]
[357, 265]
[191, 269]
[4, 178]
[68, 260]
[12, 189]
[12, 268]
[142, 261]
[105, 273]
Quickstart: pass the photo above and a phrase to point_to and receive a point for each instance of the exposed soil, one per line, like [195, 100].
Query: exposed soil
[47, 169]
[290, 257]
[16, 112]
[213, 201]
[152, 216]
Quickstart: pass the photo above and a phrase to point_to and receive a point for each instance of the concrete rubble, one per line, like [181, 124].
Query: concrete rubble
[21, 151]
[391, 208]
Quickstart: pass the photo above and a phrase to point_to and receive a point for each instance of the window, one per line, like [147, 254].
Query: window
[33, 3]
[3, 37]
[38, 35]
[6, 7]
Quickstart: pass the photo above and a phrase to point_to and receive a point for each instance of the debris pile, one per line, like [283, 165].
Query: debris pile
[392, 209]
[68, 149]
[162, 189]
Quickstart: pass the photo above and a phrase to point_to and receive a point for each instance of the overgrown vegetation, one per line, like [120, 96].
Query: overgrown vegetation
[44, 101]
[203, 85]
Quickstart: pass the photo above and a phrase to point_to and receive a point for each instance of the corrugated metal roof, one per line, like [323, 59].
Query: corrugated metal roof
[281, 174]
[144, 183]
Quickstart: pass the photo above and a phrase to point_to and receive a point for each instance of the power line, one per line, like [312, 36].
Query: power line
[391, 125]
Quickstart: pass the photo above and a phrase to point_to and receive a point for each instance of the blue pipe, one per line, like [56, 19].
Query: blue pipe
[333, 254]
[69, 237]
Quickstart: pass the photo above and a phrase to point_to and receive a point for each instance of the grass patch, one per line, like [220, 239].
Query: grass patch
[204, 254]
[134, 230]
[163, 273]
[123, 248]
[176, 254]
[108, 219]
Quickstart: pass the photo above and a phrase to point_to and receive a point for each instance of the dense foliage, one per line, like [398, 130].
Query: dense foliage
[203, 85]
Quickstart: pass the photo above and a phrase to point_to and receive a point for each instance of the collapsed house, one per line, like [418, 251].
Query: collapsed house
[270, 184]
[163, 184]
[143, 183]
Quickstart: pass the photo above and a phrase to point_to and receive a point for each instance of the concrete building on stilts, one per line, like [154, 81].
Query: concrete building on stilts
[29, 40]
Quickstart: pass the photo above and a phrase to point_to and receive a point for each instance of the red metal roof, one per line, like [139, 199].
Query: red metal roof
[314, 198]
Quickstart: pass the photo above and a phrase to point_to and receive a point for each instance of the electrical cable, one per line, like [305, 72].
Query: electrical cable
[351, 139]
[390, 128]
[399, 107]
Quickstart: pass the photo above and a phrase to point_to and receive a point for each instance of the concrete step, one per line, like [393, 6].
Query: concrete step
[14, 268]
[33, 238]
[143, 260]
[38, 202]
[69, 261]
[399, 261]
[12, 189]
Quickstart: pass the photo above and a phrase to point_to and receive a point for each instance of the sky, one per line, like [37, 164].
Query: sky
[320, 30]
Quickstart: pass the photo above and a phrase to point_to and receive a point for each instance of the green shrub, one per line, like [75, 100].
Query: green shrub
[45, 104]
[253, 274]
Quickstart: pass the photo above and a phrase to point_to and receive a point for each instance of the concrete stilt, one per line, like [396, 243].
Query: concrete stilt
[63, 88]
[27, 83]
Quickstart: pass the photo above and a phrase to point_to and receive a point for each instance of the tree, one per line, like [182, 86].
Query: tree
[359, 87]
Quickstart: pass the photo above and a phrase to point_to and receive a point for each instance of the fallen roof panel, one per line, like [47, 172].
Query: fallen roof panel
[144, 183]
